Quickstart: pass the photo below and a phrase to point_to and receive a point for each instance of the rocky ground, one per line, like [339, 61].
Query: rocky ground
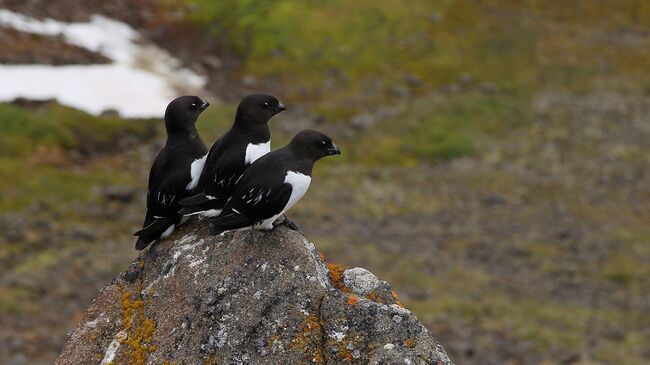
[247, 298]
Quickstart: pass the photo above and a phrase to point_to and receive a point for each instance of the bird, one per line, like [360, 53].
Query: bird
[274, 183]
[248, 139]
[175, 171]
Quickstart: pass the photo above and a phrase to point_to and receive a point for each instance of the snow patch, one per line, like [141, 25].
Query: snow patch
[140, 82]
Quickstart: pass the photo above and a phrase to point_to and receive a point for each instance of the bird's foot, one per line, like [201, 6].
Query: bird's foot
[289, 223]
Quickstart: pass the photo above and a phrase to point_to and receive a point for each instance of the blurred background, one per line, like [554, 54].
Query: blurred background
[495, 165]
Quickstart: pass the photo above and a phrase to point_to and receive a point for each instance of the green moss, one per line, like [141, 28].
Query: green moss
[56, 125]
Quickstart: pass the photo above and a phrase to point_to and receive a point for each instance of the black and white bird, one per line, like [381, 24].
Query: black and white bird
[247, 140]
[274, 183]
[176, 170]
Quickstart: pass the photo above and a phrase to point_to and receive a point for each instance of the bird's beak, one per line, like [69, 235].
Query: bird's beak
[280, 108]
[334, 150]
[205, 105]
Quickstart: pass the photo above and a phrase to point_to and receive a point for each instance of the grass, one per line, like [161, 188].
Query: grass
[35, 147]
[55, 125]
[349, 58]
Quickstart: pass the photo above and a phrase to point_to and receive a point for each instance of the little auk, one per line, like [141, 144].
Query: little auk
[274, 183]
[175, 171]
[247, 140]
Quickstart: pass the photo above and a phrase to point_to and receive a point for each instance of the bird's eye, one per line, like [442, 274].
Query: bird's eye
[266, 103]
[193, 105]
[323, 143]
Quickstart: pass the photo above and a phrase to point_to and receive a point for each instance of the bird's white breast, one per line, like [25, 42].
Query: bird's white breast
[195, 172]
[299, 185]
[255, 151]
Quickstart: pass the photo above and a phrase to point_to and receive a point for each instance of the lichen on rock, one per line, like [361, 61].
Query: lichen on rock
[246, 298]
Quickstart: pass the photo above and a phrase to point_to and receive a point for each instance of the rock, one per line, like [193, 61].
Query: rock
[212, 62]
[246, 297]
[13, 228]
[400, 91]
[249, 80]
[435, 18]
[362, 121]
[120, 193]
[488, 88]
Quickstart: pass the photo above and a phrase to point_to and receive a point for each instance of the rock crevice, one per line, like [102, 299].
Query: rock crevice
[246, 298]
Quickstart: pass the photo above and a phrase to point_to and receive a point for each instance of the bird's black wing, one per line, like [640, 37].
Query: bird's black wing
[162, 206]
[166, 187]
[253, 206]
[221, 171]
[261, 192]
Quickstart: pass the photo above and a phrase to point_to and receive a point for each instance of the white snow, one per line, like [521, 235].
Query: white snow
[139, 83]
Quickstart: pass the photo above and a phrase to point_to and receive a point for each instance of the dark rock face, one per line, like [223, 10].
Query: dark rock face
[246, 298]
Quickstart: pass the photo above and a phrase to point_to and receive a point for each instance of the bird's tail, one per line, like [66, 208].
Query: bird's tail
[227, 222]
[153, 232]
[143, 242]
[198, 204]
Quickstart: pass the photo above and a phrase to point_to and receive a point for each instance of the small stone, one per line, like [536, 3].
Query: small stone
[360, 280]
[249, 80]
[362, 121]
[212, 62]
[400, 91]
[296, 268]
[397, 319]
[212, 299]
[389, 346]
[356, 354]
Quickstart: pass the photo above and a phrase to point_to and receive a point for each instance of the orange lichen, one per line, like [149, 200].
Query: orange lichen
[322, 257]
[410, 343]
[308, 339]
[212, 360]
[374, 297]
[139, 330]
[318, 357]
[394, 294]
[336, 276]
[352, 299]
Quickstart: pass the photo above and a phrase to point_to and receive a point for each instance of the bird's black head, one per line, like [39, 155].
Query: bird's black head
[313, 145]
[182, 112]
[257, 109]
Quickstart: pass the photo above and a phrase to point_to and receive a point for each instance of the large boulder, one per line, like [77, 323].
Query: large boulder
[246, 297]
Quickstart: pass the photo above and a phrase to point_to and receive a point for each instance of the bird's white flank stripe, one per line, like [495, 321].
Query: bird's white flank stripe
[255, 151]
[195, 172]
[168, 232]
[299, 185]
